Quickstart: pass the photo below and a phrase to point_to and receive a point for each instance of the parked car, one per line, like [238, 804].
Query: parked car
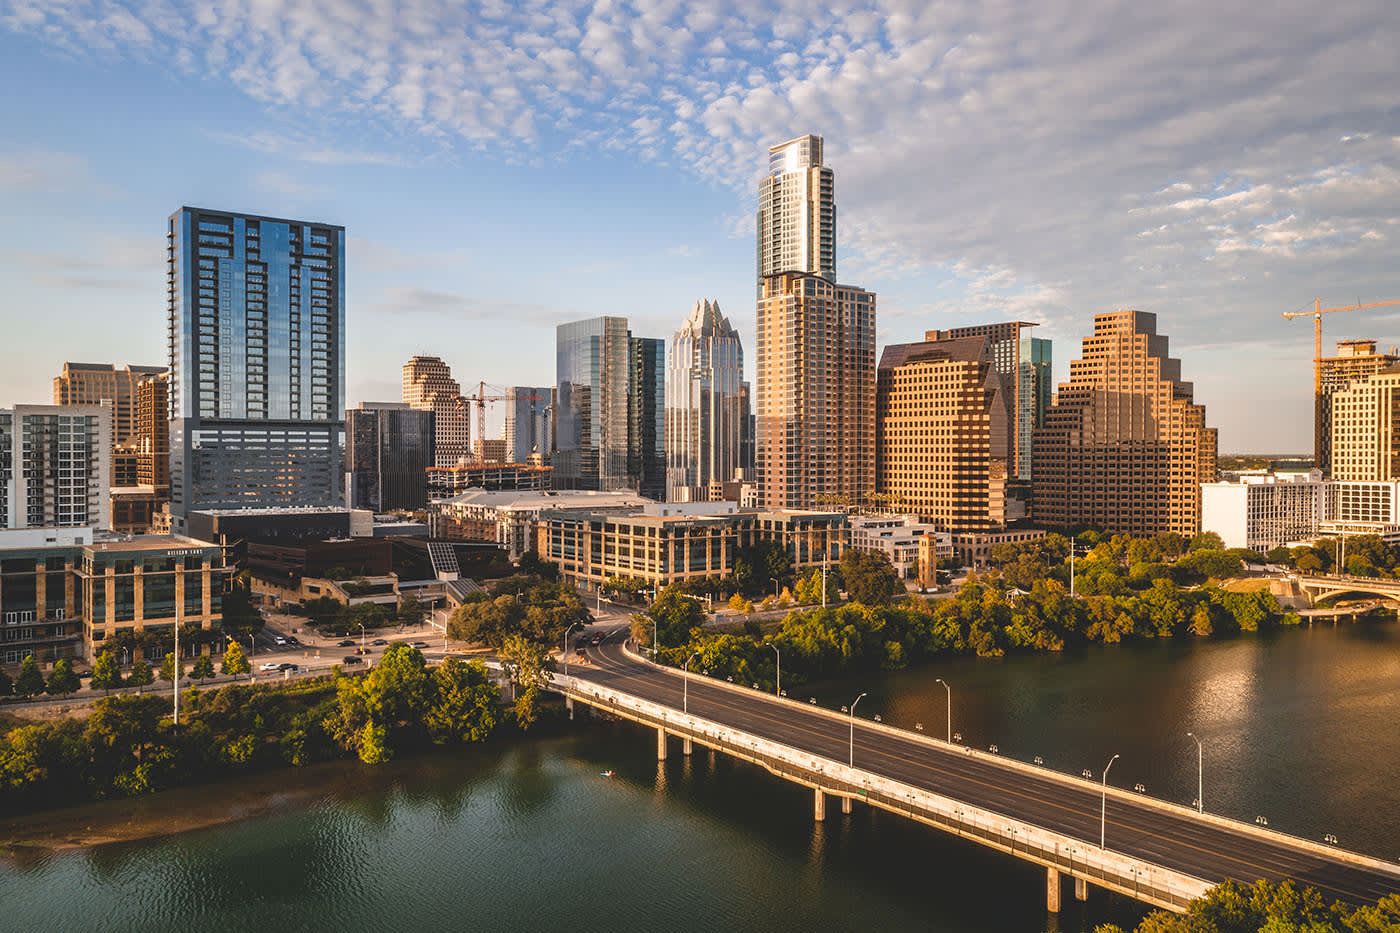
[379, 641]
[289, 667]
[420, 645]
[270, 666]
[347, 643]
[279, 640]
[350, 660]
[293, 640]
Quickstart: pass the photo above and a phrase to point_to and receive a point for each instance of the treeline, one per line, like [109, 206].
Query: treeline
[129, 746]
[1231, 907]
[1127, 589]
[334, 617]
[536, 609]
[106, 674]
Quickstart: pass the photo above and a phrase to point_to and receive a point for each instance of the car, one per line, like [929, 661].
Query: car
[270, 666]
[350, 660]
[293, 640]
[379, 641]
[347, 643]
[598, 639]
[289, 667]
[420, 645]
[581, 650]
[279, 640]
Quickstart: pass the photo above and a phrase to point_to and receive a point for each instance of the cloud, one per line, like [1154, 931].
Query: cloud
[304, 150]
[411, 299]
[37, 172]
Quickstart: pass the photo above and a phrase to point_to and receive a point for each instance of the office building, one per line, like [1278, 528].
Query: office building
[1364, 419]
[388, 450]
[1356, 360]
[93, 383]
[257, 371]
[55, 467]
[610, 410]
[942, 446]
[529, 422]
[705, 411]
[446, 482]
[915, 549]
[815, 394]
[1262, 512]
[153, 435]
[428, 386]
[1124, 448]
[509, 517]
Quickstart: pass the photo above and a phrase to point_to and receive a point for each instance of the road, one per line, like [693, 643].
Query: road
[1174, 840]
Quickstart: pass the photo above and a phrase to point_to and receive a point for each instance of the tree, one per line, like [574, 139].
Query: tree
[7, 685]
[140, 675]
[464, 702]
[62, 679]
[757, 566]
[29, 683]
[203, 668]
[411, 611]
[235, 661]
[676, 616]
[869, 577]
[239, 613]
[167, 667]
[106, 673]
[527, 665]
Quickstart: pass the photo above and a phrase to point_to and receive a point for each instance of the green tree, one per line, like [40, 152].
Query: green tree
[203, 668]
[167, 667]
[7, 685]
[411, 611]
[30, 682]
[869, 577]
[240, 616]
[464, 703]
[62, 679]
[757, 566]
[235, 661]
[527, 665]
[675, 615]
[140, 675]
[106, 673]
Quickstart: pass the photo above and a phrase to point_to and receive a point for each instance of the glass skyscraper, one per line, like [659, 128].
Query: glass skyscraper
[388, 449]
[257, 349]
[706, 405]
[528, 414]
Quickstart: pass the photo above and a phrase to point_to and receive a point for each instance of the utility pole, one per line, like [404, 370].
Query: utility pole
[823, 579]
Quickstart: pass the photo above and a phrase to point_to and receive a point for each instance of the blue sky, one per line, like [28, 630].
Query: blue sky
[501, 168]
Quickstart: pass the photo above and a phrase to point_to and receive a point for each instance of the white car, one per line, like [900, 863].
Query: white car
[270, 666]
[278, 639]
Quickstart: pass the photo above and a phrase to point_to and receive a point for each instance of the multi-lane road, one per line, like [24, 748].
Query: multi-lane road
[1170, 837]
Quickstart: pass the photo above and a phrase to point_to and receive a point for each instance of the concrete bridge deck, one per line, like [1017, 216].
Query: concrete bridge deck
[1160, 853]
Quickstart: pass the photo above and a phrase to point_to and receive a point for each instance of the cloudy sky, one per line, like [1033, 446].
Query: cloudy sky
[504, 167]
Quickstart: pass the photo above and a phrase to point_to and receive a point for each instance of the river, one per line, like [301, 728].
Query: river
[1299, 726]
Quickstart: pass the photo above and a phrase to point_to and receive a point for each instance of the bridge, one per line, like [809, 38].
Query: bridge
[1321, 587]
[1162, 854]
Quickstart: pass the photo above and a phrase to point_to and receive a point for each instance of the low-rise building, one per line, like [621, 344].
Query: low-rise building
[508, 517]
[1264, 511]
[446, 482]
[900, 538]
[1361, 508]
[974, 548]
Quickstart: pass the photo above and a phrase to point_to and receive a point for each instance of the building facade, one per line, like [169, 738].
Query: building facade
[1356, 361]
[388, 450]
[942, 448]
[529, 422]
[908, 543]
[428, 386]
[1264, 512]
[257, 371]
[446, 482]
[93, 383]
[646, 416]
[1124, 448]
[509, 518]
[55, 467]
[1365, 441]
[815, 393]
[706, 414]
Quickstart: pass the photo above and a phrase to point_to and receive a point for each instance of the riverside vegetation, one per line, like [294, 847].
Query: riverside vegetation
[1264, 907]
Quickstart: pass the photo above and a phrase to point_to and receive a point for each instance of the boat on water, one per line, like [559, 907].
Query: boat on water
[608, 773]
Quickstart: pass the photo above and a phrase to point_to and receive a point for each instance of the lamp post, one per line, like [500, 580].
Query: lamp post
[950, 707]
[852, 759]
[362, 636]
[175, 673]
[685, 695]
[1103, 804]
[778, 679]
[566, 646]
[1200, 775]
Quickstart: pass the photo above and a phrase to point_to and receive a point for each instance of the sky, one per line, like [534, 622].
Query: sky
[500, 168]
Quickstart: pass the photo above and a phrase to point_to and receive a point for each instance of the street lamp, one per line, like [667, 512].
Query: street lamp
[566, 646]
[1103, 804]
[950, 707]
[362, 636]
[778, 679]
[1200, 775]
[852, 760]
[685, 696]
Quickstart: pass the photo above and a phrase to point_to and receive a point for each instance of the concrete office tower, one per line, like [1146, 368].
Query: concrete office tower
[55, 466]
[1355, 360]
[153, 434]
[428, 386]
[92, 383]
[1365, 425]
[529, 418]
[815, 393]
[388, 449]
[1124, 448]
[705, 405]
[257, 362]
[941, 441]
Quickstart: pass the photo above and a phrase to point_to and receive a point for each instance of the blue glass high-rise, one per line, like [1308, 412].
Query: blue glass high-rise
[257, 362]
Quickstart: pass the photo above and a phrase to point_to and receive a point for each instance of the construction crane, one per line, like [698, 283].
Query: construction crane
[1317, 312]
[480, 399]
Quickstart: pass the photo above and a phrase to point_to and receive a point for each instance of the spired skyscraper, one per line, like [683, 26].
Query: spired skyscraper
[815, 393]
[257, 371]
[706, 405]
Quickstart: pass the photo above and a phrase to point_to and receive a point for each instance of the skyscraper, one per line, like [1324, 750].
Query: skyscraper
[388, 449]
[1356, 360]
[529, 416]
[428, 386]
[609, 430]
[815, 394]
[705, 405]
[91, 383]
[1365, 425]
[257, 362]
[1124, 448]
[55, 466]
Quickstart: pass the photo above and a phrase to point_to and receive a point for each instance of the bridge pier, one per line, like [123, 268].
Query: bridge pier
[685, 746]
[660, 744]
[1052, 890]
[1081, 889]
[820, 808]
[569, 705]
[845, 804]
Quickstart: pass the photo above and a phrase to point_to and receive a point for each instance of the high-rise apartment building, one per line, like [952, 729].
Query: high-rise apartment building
[705, 405]
[529, 422]
[610, 421]
[153, 434]
[388, 449]
[257, 362]
[92, 383]
[1365, 425]
[1124, 448]
[55, 466]
[1356, 360]
[941, 441]
[428, 386]
[815, 394]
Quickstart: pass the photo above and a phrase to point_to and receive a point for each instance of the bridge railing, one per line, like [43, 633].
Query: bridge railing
[1154, 884]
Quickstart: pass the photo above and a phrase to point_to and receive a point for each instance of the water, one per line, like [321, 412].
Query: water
[1299, 726]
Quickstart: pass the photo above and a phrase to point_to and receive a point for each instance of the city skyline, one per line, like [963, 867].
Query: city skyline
[1209, 175]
